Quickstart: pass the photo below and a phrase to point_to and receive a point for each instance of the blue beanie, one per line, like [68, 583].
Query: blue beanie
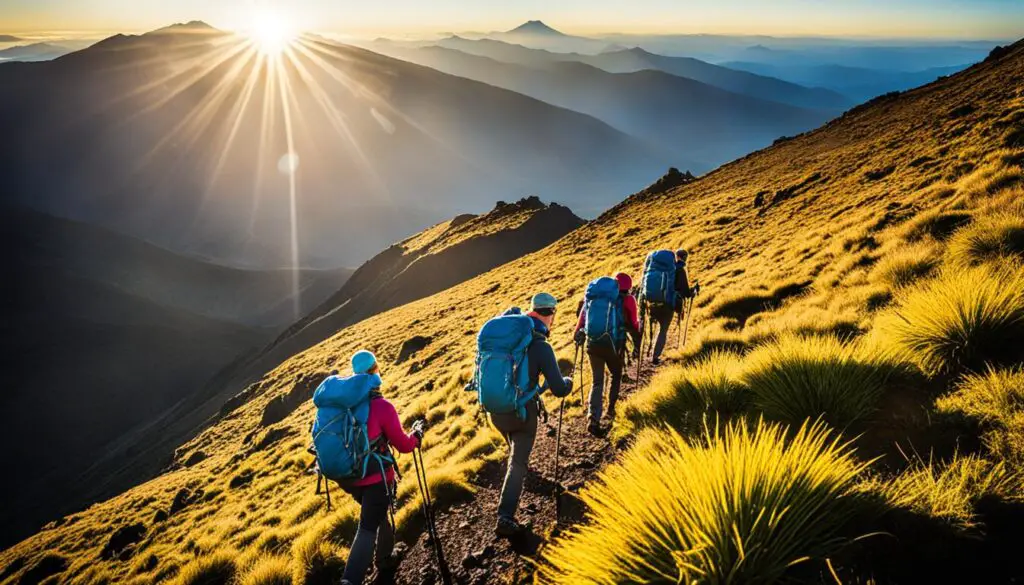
[362, 361]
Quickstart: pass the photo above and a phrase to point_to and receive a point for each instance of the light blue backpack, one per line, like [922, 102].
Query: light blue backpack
[343, 449]
[659, 279]
[502, 375]
[605, 322]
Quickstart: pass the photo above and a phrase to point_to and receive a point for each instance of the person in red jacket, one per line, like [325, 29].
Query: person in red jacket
[603, 356]
[373, 492]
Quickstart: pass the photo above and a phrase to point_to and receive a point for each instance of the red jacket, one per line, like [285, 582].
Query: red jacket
[629, 310]
[384, 419]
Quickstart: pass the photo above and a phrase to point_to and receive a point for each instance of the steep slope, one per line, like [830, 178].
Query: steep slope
[637, 59]
[829, 200]
[429, 262]
[423, 264]
[704, 125]
[180, 136]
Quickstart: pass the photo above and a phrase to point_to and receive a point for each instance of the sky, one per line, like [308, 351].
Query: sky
[975, 19]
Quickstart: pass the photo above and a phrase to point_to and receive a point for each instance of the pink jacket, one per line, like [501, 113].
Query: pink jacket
[384, 419]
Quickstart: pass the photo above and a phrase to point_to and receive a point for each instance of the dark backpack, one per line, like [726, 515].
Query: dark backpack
[659, 280]
[605, 323]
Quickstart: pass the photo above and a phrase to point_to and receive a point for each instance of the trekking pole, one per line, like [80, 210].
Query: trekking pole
[689, 309]
[558, 453]
[428, 512]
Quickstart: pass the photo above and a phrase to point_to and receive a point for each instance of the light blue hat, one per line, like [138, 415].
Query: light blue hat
[362, 361]
[543, 301]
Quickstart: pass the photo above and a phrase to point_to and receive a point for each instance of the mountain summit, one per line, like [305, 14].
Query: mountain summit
[535, 28]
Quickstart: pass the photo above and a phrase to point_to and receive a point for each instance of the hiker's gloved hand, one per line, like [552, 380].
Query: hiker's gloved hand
[580, 337]
[418, 428]
[696, 289]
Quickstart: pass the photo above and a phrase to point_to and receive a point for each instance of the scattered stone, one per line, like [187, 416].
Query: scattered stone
[411, 347]
[470, 561]
[159, 516]
[195, 458]
[181, 499]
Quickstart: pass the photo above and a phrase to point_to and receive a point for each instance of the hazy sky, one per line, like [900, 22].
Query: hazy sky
[991, 19]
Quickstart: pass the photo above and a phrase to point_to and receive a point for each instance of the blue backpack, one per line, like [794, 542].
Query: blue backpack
[604, 321]
[659, 278]
[343, 448]
[502, 376]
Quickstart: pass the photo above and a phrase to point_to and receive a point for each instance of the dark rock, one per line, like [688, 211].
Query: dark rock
[486, 552]
[48, 566]
[411, 347]
[181, 499]
[242, 479]
[121, 539]
[470, 561]
[281, 406]
[159, 516]
[195, 458]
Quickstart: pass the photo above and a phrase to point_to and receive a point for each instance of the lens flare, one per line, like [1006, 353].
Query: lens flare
[271, 32]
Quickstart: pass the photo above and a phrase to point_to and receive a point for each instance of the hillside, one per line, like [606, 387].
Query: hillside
[159, 135]
[836, 203]
[702, 124]
[426, 263]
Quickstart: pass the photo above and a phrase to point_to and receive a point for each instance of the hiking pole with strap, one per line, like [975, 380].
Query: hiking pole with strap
[558, 453]
[689, 309]
[428, 513]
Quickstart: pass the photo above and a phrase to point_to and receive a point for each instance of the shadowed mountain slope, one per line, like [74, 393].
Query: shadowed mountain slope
[830, 199]
[179, 137]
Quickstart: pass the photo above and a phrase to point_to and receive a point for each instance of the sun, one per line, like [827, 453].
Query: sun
[271, 32]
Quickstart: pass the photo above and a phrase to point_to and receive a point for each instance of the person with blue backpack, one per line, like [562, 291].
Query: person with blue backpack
[354, 429]
[609, 313]
[665, 287]
[512, 355]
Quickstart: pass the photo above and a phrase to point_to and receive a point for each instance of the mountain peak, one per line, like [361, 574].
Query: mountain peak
[193, 26]
[535, 27]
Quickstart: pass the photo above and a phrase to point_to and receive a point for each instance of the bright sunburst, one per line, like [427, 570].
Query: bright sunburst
[271, 32]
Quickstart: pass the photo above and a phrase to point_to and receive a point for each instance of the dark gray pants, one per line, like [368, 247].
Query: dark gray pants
[602, 357]
[520, 435]
[373, 526]
[662, 315]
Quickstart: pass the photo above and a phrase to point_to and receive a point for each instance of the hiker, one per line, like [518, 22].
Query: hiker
[510, 393]
[663, 308]
[371, 482]
[610, 312]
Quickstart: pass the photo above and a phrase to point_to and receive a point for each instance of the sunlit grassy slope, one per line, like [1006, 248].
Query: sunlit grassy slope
[836, 201]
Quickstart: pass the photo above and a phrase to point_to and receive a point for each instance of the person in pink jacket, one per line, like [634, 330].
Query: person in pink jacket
[371, 492]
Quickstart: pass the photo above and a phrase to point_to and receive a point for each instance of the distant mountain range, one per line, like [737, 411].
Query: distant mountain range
[34, 52]
[152, 140]
[700, 123]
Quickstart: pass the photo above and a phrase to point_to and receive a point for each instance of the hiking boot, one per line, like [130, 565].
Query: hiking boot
[611, 412]
[656, 361]
[507, 527]
[594, 428]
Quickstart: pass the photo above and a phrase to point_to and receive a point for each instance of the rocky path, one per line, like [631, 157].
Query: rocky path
[474, 554]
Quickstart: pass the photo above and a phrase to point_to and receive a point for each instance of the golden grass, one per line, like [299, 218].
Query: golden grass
[993, 237]
[964, 319]
[906, 265]
[948, 491]
[268, 570]
[797, 378]
[681, 396]
[740, 506]
[214, 569]
[995, 400]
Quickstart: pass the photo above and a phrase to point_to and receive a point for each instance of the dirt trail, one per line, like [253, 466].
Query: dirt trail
[474, 554]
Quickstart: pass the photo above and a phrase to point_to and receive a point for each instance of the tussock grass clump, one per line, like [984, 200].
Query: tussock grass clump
[268, 570]
[906, 265]
[796, 378]
[964, 319]
[680, 396]
[1000, 235]
[740, 506]
[215, 569]
[948, 491]
[316, 561]
[996, 401]
[938, 225]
